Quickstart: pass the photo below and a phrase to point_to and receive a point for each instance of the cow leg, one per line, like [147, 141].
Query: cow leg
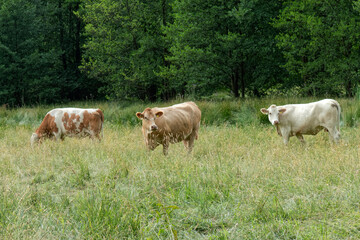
[165, 148]
[286, 136]
[58, 136]
[93, 136]
[186, 144]
[98, 137]
[300, 137]
[191, 142]
[285, 133]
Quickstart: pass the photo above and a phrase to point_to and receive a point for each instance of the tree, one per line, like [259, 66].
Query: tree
[40, 49]
[70, 40]
[16, 41]
[125, 46]
[263, 58]
[224, 45]
[320, 41]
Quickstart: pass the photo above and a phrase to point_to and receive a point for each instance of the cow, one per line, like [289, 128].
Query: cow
[71, 122]
[306, 119]
[180, 122]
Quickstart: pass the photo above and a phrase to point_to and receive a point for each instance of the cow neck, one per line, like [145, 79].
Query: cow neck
[42, 129]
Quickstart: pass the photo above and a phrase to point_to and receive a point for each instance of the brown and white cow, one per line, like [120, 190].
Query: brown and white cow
[306, 119]
[180, 122]
[72, 122]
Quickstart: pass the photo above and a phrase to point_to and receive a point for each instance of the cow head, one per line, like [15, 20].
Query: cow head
[273, 113]
[34, 138]
[148, 117]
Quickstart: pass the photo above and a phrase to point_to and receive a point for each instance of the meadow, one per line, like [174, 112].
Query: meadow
[240, 181]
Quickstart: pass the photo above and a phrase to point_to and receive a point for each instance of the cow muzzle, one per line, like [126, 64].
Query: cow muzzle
[154, 128]
[276, 122]
[34, 139]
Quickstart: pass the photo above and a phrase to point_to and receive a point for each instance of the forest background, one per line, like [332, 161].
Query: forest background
[62, 50]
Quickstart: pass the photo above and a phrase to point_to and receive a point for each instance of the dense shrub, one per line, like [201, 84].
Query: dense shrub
[234, 112]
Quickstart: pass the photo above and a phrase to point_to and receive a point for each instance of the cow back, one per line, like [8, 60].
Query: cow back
[179, 119]
[306, 118]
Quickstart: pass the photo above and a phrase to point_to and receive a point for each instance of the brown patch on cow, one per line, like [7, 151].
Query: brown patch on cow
[101, 115]
[92, 121]
[335, 106]
[71, 122]
[100, 124]
[47, 127]
[87, 119]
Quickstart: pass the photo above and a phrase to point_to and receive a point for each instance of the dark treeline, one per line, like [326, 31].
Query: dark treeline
[61, 50]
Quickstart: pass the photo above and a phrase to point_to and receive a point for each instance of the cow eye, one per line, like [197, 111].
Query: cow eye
[269, 113]
[146, 118]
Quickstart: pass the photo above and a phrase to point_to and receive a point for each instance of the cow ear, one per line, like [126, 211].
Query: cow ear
[282, 110]
[159, 114]
[140, 115]
[264, 111]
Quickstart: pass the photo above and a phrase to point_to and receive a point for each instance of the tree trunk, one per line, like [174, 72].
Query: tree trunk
[238, 75]
[242, 78]
[349, 88]
[235, 83]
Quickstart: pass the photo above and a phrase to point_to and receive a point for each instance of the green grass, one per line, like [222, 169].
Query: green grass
[240, 182]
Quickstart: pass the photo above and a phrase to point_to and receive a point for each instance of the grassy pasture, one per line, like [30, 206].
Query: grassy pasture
[240, 182]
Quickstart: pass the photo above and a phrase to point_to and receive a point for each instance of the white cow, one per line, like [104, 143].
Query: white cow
[308, 119]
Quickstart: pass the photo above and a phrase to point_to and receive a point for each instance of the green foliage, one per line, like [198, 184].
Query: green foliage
[40, 53]
[60, 50]
[320, 41]
[215, 112]
[125, 47]
[171, 48]
[223, 46]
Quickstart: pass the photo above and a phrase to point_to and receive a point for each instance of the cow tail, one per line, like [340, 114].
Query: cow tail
[338, 108]
[197, 132]
[101, 115]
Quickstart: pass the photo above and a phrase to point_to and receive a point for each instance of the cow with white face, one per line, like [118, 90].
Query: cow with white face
[306, 119]
[180, 122]
[71, 122]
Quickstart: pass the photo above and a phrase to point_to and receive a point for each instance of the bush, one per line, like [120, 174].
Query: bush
[234, 112]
